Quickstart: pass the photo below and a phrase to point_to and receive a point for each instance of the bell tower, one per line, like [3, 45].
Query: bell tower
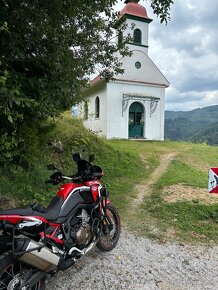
[137, 21]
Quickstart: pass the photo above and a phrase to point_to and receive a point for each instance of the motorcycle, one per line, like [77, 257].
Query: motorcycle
[37, 242]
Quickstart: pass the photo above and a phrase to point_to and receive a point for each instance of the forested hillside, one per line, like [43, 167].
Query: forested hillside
[199, 125]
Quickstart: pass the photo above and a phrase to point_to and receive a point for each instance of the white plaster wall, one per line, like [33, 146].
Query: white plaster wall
[143, 26]
[117, 125]
[155, 121]
[98, 125]
[148, 72]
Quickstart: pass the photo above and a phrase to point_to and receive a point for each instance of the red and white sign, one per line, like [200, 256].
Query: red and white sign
[213, 180]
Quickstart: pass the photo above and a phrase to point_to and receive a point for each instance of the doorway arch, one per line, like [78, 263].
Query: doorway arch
[136, 120]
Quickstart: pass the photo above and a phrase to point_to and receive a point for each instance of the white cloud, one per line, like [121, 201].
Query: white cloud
[212, 97]
[186, 51]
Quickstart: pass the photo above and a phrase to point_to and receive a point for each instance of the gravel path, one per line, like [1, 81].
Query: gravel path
[140, 264]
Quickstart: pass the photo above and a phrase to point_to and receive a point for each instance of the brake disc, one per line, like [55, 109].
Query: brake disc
[14, 283]
[17, 281]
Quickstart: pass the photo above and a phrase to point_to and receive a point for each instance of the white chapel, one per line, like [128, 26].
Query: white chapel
[132, 105]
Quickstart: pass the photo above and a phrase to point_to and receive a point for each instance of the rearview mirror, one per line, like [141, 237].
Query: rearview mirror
[76, 157]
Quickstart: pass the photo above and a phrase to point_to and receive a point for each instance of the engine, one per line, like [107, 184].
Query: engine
[82, 232]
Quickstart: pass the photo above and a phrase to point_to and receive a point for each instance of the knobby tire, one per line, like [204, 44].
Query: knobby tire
[107, 242]
[9, 268]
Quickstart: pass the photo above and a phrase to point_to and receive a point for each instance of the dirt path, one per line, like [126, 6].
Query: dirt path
[138, 263]
[145, 188]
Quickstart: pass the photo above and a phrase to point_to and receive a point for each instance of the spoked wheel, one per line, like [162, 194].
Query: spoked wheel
[13, 273]
[110, 230]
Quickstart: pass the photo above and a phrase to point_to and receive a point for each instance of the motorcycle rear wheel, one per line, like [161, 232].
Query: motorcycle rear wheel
[11, 273]
[109, 237]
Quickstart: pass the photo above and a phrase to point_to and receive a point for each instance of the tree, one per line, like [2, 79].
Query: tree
[162, 9]
[48, 50]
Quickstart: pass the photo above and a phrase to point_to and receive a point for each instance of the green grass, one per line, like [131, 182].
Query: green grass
[180, 172]
[184, 220]
[26, 184]
[125, 164]
[189, 220]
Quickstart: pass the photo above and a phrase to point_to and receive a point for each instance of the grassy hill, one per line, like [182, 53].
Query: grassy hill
[173, 210]
[24, 184]
[197, 125]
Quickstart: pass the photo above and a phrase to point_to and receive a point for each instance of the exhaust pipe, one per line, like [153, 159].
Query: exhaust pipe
[43, 259]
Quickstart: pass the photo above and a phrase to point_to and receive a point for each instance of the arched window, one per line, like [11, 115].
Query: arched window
[137, 36]
[97, 107]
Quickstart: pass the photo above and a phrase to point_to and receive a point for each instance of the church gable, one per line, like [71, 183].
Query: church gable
[140, 68]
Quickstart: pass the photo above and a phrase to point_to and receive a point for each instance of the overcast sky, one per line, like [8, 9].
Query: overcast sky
[186, 51]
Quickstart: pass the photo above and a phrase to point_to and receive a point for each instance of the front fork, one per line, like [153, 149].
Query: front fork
[105, 216]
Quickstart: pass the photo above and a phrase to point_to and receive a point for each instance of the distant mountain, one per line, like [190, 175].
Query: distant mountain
[208, 135]
[199, 125]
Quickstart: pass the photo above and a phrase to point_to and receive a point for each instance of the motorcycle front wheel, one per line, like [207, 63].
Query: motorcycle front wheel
[110, 230]
[12, 273]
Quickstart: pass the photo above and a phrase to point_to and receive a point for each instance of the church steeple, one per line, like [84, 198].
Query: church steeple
[134, 9]
[135, 16]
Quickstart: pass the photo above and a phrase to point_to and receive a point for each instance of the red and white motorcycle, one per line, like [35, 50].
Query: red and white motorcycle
[36, 242]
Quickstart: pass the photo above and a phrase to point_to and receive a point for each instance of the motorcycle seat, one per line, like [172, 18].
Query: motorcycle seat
[50, 213]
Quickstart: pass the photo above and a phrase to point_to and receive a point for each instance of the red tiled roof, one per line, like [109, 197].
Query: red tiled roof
[95, 80]
[134, 9]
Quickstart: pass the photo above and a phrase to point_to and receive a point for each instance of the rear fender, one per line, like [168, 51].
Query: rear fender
[14, 219]
[15, 224]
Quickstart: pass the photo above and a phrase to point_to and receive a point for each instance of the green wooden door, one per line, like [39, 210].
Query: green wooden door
[136, 120]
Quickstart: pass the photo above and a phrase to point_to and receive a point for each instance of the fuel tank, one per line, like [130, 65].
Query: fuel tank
[73, 196]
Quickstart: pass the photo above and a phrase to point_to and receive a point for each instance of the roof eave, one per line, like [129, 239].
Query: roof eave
[163, 85]
[95, 86]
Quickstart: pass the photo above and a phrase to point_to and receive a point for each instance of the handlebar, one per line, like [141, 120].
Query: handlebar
[60, 178]
[84, 171]
[67, 177]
